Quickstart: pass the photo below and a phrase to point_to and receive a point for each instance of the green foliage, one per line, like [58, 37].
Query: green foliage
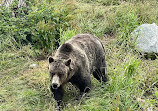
[103, 2]
[66, 35]
[93, 20]
[109, 2]
[147, 13]
[126, 22]
[156, 92]
[126, 74]
[131, 67]
[40, 27]
[130, 77]
[13, 61]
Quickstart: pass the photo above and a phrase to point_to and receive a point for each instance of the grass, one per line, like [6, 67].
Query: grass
[133, 80]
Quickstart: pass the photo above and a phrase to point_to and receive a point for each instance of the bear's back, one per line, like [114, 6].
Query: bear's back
[89, 46]
[85, 50]
[86, 42]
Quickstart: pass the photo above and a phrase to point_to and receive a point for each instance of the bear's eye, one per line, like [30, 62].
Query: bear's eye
[52, 74]
[60, 74]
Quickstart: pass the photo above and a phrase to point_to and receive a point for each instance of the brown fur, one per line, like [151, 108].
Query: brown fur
[75, 61]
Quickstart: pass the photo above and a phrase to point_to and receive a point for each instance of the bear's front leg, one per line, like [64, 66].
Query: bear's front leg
[84, 86]
[83, 82]
[58, 95]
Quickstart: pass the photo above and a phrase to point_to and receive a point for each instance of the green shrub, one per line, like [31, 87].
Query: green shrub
[40, 27]
[66, 35]
[131, 67]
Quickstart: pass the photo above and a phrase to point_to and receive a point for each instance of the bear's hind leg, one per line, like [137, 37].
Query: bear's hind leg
[100, 73]
[103, 70]
[97, 74]
[103, 74]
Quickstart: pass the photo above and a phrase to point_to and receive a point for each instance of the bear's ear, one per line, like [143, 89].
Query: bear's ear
[67, 63]
[50, 59]
[66, 47]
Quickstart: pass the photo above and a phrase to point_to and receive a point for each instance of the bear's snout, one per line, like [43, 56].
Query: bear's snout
[55, 82]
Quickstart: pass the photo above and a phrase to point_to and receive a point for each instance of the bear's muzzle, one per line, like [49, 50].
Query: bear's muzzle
[55, 82]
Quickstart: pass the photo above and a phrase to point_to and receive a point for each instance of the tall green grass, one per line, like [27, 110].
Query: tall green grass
[66, 35]
[132, 81]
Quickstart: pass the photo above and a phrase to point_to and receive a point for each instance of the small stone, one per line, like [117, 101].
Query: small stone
[32, 66]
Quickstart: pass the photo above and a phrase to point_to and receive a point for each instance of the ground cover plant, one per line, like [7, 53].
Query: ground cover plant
[133, 80]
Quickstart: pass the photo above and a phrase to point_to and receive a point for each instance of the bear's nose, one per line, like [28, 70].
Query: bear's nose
[55, 85]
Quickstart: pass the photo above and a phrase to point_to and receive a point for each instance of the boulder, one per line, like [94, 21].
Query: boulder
[146, 37]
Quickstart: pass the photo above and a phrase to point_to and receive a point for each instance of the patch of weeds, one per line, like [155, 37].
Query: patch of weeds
[15, 60]
[66, 35]
[102, 2]
[126, 22]
[124, 84]
[92, 19]
[109, 2]
[130, 78]
[131, 67]
[147, 13]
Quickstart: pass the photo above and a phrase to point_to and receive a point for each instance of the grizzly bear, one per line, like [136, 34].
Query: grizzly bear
[74, 62]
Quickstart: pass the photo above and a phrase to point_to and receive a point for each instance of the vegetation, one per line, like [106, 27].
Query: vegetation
[133, 80]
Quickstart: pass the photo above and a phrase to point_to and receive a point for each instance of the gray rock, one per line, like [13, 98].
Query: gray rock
[146, 37]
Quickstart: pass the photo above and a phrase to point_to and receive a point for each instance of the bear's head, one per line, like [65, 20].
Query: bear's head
[59, 71]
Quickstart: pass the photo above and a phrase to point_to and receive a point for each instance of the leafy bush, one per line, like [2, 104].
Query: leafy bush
[40, 27]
